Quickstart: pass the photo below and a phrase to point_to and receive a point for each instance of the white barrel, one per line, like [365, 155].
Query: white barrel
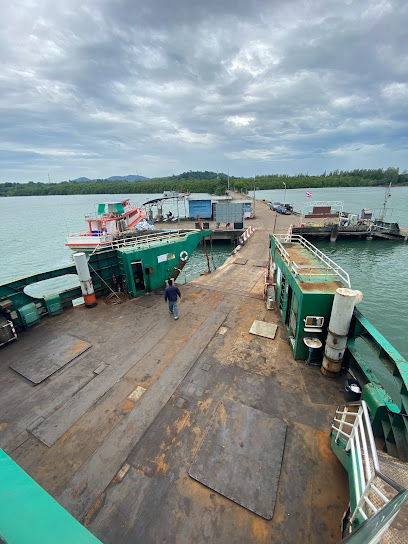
[85, 279]
[82, 266]
[339, 325]
[334, 354]
[342, 311]
[330, 368]
[335, 341]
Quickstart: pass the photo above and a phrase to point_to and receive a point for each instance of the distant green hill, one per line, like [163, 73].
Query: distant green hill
[130, 177]
[208, 182]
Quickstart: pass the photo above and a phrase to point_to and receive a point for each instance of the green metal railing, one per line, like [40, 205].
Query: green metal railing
[386, 390]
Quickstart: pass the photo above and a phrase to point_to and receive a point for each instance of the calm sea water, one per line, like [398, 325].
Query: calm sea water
[33, 232]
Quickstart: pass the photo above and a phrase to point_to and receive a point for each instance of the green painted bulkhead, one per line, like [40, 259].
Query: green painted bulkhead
[159, 260]
[148, 268]
[299, 295]
[30, 514]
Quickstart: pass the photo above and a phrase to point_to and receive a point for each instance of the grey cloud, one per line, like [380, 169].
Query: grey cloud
[160, 86]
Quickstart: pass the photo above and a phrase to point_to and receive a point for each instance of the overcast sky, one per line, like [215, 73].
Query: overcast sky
[157, 87]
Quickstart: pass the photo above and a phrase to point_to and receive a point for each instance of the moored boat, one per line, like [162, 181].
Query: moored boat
[111, 221]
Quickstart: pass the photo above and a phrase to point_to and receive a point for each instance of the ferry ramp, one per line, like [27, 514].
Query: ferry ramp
[113, 434]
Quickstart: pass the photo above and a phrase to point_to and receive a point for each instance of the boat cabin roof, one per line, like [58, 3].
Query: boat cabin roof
[313, 271]
[112, 207]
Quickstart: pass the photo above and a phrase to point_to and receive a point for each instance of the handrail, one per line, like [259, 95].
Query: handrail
[192, 270]
[354, 428]
[148, 240]
[330, 269]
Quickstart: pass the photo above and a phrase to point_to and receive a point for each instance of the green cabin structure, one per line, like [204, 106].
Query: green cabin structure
[142, 265]
[148, 265]
[306, 281]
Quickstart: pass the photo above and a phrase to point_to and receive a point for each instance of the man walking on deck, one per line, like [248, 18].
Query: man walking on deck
[170, 294]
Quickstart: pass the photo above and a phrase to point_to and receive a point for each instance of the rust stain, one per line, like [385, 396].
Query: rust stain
[161, 465]
[204, 405]
[77, 347]
[3, 426]
[196, 431]
[127, 405]
[325, 287]
[66, 435]
[179, 424]
[94, 509]
[323, 445]
[182, 422]
[259, 529]
[221, 413]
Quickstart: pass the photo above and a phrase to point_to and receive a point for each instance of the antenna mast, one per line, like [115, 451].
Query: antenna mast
[387, 196]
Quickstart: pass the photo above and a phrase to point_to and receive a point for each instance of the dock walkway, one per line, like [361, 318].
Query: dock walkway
[119, 462]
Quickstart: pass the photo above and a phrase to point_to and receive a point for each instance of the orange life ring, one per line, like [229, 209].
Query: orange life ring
[184, 256]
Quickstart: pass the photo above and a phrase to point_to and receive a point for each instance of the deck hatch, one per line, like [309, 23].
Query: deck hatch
[50, 357]
[241, 456]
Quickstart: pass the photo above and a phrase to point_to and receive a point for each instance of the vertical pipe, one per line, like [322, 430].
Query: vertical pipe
[340, 318]
[85, 279]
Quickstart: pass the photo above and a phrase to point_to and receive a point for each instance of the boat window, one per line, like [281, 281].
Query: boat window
[149, 270]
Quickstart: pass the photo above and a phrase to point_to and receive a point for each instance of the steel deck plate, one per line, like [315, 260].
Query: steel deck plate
[241, 456]
[263, 328]
[50, 357]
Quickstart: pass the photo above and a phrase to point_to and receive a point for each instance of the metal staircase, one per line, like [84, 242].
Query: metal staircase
[375, 498]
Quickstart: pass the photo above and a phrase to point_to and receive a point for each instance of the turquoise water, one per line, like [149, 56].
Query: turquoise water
[33, 232]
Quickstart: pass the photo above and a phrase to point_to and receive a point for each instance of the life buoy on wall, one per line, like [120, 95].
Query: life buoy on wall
[184, 256]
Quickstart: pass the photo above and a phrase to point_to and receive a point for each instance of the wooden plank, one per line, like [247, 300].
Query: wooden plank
[60, 421]
[95, 475]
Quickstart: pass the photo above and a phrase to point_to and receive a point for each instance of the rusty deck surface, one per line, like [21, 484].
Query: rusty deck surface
[120, 465]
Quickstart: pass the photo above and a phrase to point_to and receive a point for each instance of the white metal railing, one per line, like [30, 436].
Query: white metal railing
[193, 270]
[148, 240]
[352, 423]
[329, 268]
